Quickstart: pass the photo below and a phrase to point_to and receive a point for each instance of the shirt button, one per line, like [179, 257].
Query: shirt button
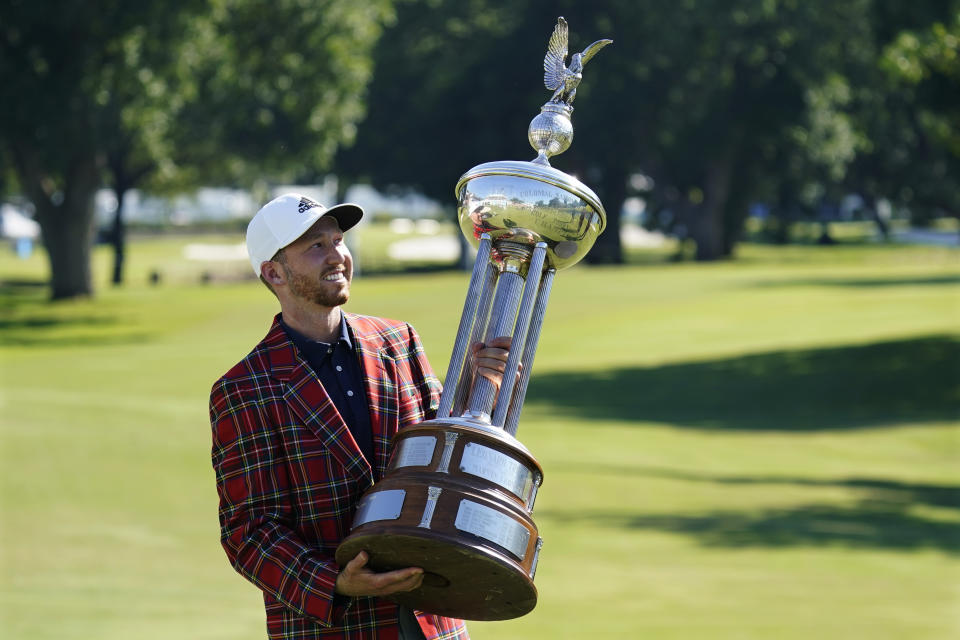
[339, 368]
[350, 393]
[330, 350]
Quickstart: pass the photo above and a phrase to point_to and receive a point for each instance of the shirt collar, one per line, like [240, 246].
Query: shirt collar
[302, 341]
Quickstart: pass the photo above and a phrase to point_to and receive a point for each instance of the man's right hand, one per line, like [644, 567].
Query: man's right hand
[356, 579]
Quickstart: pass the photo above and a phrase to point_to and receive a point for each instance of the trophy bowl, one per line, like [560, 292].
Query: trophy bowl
[456, 501]
[527, 203]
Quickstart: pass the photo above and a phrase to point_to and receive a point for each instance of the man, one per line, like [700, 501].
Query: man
[302, 427]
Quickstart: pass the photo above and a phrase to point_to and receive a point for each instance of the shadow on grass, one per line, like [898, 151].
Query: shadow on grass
[881, 490]
[376, 269]
[75, 332]
[28, 318]
[14, 292]
[879, 519]
[865, 525]
[860, 283]
[882, 384]
[30, 323]
[19, 284]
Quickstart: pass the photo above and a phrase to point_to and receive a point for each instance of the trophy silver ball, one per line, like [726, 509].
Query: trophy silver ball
[551, 132]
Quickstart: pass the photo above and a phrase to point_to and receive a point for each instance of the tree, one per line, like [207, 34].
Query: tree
[908, 112]
[456, 84]
[880, 125]
[712, 97]
[448, 93]
[181, 91]
[261, 104]
[59, 64]
[700, 96]
[274, 103]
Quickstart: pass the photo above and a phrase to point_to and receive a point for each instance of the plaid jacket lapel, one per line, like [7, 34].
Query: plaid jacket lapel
[309, 402]
[379, 375]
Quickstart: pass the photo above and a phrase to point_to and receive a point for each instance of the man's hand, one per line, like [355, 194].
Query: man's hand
[490, 360]
[356, 579]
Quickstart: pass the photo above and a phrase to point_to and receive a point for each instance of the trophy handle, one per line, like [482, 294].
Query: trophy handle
[461, 344]
[529, 351]
[524, 315]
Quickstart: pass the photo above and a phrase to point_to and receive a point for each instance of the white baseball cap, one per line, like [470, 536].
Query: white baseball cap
[286, 218]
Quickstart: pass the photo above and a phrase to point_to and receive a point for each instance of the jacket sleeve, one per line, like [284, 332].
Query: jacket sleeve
[255, 509]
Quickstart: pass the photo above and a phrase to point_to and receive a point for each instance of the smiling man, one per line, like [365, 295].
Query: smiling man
[302, 427]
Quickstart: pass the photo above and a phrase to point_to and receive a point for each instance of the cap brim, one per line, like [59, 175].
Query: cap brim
[347, 215]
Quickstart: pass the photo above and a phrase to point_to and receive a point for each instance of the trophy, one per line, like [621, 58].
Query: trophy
[457, 497]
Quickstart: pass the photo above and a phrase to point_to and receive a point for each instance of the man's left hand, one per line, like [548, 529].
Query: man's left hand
[490, 360]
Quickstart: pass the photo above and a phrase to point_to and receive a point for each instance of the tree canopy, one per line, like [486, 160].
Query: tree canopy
[184, 90]
[715, 105]
[701, 108]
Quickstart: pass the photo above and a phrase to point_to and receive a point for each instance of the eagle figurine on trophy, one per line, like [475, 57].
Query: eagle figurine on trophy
[562, 78]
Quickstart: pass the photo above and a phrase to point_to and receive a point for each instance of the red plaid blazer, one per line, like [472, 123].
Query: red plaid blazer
[289, 476]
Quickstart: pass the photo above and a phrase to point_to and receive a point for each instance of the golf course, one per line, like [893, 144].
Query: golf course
[767, 447]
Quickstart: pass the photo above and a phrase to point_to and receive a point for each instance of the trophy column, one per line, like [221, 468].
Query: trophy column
[458, 495]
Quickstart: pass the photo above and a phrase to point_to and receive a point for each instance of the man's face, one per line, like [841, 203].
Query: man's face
[318, 266]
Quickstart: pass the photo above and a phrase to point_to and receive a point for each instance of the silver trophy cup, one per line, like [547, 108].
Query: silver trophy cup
[458, 495]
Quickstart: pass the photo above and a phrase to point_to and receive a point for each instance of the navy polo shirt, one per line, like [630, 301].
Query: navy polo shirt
[338, 368]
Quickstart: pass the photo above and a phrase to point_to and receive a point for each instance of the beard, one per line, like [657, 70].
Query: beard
[318, 291]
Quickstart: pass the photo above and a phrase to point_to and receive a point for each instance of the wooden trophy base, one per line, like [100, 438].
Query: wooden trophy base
[455, 502]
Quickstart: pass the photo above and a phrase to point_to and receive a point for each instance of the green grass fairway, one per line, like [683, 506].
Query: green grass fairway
[766, 448]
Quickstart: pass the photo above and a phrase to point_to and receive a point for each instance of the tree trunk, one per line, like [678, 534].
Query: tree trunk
[119, 237]
[608, 248]
[825, 237]
[708, 229]
[707, 232]
[735, 212]
[126, 175]
[781, 218]
[871, 203]
[66, 223]
[68, 238]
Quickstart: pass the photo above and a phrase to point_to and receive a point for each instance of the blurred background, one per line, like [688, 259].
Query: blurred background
[745, 400]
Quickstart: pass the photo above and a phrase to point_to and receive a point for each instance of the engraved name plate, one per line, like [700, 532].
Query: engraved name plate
[493, 526]
[496, 467]
[382, 505]
[416, 451]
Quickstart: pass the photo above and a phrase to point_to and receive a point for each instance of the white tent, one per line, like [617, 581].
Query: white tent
[15, 225]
